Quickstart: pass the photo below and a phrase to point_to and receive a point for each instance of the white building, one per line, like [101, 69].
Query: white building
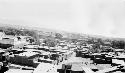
[2, 34]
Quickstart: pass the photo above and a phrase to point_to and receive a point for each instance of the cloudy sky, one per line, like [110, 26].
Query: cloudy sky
[102, 17]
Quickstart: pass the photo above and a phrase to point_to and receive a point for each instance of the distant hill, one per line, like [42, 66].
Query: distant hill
[49, 32]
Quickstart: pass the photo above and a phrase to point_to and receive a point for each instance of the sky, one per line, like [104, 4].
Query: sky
[98, 17]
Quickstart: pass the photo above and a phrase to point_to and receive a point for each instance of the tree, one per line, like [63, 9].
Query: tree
[58, 36]
[96, 48]
[50, 42]
[118, 44]
[74, 40]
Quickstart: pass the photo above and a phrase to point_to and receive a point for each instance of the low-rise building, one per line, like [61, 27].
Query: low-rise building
[15, 41]
[26, 58]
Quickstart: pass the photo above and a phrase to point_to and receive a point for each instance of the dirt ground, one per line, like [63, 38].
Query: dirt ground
[87, 63]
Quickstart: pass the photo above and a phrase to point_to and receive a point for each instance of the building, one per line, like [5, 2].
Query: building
[26, 58]
[15, 41]
[2, 34]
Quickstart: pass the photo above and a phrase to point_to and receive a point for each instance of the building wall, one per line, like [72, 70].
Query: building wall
[2, 35]
[7, 41]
